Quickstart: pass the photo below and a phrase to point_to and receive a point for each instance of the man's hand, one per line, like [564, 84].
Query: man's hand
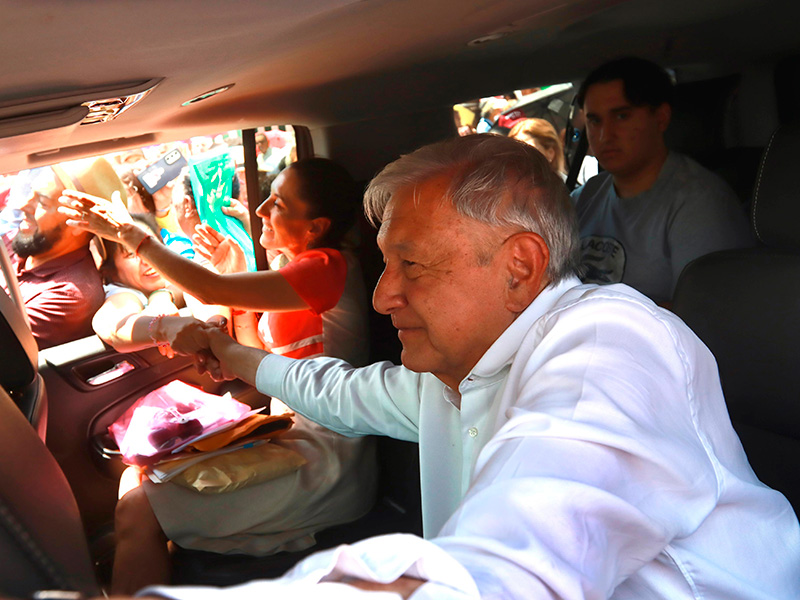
[405, 586]
[208, 342]
[214, 351]
[217, 359]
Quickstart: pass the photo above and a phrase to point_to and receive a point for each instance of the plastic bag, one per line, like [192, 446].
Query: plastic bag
[170, 417]
[260, 462]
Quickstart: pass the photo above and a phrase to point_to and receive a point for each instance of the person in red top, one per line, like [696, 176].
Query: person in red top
[314, 305]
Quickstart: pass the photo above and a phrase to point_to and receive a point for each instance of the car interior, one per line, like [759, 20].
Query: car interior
[363, 82]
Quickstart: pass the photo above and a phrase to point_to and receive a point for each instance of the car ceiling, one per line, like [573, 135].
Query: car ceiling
[325, 62]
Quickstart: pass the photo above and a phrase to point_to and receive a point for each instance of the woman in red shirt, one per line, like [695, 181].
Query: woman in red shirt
[314, 305]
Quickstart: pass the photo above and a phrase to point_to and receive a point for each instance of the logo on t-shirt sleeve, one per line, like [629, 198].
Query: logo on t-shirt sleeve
[603, 259]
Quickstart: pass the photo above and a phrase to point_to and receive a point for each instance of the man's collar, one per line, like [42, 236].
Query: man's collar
[54, 265]
[665, 171]
[502, 352]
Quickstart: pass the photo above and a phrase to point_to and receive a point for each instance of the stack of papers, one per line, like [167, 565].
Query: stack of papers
[170, 467]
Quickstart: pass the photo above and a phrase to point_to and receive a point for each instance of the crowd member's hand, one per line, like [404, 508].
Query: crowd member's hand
[224, 254]
[214, 360]
[110, 220]
[188, 217]
[237, 210]
[160, 305]
[187, 336]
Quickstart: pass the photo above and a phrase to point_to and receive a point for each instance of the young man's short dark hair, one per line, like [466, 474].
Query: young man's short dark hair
[645, 83]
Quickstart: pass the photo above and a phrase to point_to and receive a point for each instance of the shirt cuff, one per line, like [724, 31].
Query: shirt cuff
[380, 559]
[385, 558]
[270, 374]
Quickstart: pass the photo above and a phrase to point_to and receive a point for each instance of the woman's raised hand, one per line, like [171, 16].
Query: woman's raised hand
[97, 215]
[224, 254]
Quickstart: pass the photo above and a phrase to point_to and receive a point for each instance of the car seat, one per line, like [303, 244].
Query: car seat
[745, 305]
[42, 542]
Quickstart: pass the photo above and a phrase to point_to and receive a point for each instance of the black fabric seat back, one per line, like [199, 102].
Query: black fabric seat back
[42, 543]
[745, 306]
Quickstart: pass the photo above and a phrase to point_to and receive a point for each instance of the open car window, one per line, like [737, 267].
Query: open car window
[176, 186]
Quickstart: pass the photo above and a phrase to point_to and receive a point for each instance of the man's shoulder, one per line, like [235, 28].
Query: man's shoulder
[74, 274]
[693, 178]
[618, 294]
[78, 260]
[596, 186]
[591, 186]
[599, 306]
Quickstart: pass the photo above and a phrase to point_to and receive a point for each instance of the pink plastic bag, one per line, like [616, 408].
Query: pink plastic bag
[169, 417]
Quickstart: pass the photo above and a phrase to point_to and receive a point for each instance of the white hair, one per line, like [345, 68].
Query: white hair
[496, 180]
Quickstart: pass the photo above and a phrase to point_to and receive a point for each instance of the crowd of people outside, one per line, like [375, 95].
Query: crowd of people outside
[315, 305]
[62, 272]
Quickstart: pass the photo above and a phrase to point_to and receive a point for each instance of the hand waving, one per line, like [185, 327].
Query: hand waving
[224, 254]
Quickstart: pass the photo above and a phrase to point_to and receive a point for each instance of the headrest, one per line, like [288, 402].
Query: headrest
[776, 201]
[94, 176]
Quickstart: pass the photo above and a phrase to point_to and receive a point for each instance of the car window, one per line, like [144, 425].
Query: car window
[176, 186]
[507, 114]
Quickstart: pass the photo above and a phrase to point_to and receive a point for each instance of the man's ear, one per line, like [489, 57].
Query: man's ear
[98, 251]
[663, 116]
[527, 260]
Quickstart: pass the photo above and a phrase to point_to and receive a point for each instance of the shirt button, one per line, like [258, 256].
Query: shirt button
[473, 432]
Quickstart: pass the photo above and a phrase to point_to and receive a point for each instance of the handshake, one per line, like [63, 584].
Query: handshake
[213, 349]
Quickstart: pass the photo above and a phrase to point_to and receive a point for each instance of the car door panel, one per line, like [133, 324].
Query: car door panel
[80, 409]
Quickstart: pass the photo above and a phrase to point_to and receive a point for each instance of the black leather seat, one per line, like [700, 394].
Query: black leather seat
[745, 305]
[42, 543]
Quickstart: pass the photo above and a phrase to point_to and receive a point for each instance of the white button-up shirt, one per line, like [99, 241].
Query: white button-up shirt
[590, 455]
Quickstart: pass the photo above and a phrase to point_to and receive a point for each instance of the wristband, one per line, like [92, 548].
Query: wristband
[151, 331]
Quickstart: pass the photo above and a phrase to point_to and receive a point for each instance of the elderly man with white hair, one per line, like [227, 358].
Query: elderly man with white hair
[574, 440]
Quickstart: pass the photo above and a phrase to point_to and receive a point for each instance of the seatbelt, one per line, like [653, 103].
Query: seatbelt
[581, 149]
[577, 160]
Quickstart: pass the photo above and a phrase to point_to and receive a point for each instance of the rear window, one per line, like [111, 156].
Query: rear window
[546, 113]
